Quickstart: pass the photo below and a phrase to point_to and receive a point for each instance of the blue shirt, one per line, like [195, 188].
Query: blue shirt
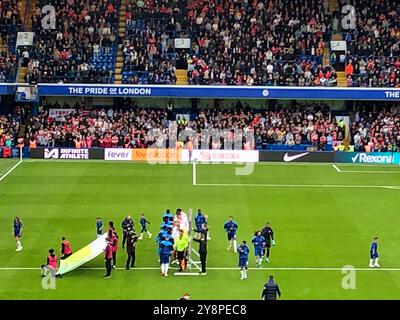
[161, 235]
[243, 251]
[374, 248]
[258, 242]
[17, 227]
[99, 226]
[166, 247]
[231, 226]
[199, 219]
[143, 221]
[169, 215]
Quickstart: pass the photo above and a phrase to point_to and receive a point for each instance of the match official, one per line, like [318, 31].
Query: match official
[127, 225]
[271, 290]
[203, 252]
[131, 249]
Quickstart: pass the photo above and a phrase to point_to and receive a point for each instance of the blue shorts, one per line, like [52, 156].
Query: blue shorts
[164, 258]
[374, 256]
[231, 236]
[17, 233]
[259, 252]
[144, 229]
[243, 263]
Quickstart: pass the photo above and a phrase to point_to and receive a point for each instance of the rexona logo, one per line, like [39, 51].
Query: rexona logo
[367, 158]
[51, 153]
[118, 154]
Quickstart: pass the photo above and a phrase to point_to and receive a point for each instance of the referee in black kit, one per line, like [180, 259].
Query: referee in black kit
[271, 290]
[203, 252]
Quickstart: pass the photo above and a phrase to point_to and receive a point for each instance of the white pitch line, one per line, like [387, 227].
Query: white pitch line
[369, 171]
[11, 170]
[291, 185]
[336, 168]
[235, 268]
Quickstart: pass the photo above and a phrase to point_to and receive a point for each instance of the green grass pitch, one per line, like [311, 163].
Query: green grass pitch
[323, 220]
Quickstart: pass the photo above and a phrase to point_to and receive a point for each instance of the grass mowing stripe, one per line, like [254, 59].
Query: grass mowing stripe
[293, 185]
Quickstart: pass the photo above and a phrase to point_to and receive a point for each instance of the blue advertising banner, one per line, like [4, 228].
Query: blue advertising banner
[315, 93]
[368, 158]
[245, 92]
[7, 88]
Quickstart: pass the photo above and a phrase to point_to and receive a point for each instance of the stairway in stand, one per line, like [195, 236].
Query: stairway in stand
[332, 5]
[120, 55]
[181, 77]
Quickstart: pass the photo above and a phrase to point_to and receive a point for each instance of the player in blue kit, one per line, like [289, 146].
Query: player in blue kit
[99, 227]
[243, 259]
[230, 228]
[373, 254]
[144, 222]
[166, 247]
[18, 233]
[259, 243]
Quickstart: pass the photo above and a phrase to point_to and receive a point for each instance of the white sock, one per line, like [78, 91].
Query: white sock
[19, 244]
[242, 274]
[229, 244]
[162, 268]
[376, 261]
[141, 236]
[371, 262]
[234, 245]
[166, 268]
[245, 274]
[149, 234]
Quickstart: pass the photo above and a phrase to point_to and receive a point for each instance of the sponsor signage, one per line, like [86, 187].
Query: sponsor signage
[282, 156]
[117, 154]
[67, 153]
[157, 155]
[368, 157]
[221, 156]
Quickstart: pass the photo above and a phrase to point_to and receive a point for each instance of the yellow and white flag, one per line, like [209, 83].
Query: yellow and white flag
[91, 251]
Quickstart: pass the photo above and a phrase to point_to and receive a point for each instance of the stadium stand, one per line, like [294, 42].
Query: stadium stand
[373, 58]
[302, 125]
[10, 24]
[376, 128]
[82, 46]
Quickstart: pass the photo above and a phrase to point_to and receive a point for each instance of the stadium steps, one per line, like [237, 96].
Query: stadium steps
[337, 37]
[341, 79]
[119, 64]
[26, 18]
[21, 131]
[327, 58]
[22, 74]
[181, 77]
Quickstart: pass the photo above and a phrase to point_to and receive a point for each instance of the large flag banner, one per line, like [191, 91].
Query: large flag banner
[91, 251]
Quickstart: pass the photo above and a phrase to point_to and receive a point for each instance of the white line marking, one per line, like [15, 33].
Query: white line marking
[393, 188]
[336, 168]
[234, 268]
[369, 171]
[11, 170]
[194, 173]
[291, 185]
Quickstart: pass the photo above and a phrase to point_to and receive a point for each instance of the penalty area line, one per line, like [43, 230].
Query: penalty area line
[336, 168]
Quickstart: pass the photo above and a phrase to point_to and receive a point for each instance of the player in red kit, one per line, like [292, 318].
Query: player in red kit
[114, 240]
[66, 250]
[108, 254]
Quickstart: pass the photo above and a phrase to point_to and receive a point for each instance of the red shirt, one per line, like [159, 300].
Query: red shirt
[66, 247]
[108, 251]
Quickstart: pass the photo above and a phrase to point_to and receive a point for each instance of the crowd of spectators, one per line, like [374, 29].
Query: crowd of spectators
[9, 21]
[376, 129]
[9, 127]
[232, 42]
[259, 43]
[81, 47]
[141, 128]
[373, 57]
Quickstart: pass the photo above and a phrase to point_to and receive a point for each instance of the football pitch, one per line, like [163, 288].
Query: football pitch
[324, 218]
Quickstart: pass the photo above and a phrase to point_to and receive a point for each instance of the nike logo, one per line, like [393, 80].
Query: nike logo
[355, 157]
[288, 158]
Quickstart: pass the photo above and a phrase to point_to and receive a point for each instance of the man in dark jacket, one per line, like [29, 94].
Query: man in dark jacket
[127, 226]
[203, 252]
[271, 290]
[131, 249]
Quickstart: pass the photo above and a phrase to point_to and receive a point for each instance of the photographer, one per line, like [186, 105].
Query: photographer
[131, 249]
[127, 225]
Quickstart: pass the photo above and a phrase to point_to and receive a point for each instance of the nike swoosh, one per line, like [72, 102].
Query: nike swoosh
[288, 158]
[355, 157]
